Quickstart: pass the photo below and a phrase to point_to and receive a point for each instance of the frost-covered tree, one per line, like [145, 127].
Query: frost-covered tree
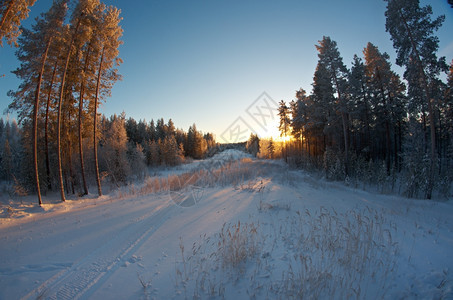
[170, 151]
[386, 92]
[285, 124]
[12, 12]
[361, 114]
[331, 78]
[299, 117]
[108, 34]
[34, 46]
[137, 160]
[253, 144]
[196, 145]
[114, 152]
[412, 31]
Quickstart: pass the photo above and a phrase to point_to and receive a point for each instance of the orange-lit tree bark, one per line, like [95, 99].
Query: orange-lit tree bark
[108, 35]
[34, 46]
[79, 14]
[80, 124]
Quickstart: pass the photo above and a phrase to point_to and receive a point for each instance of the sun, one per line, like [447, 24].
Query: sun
[286, 138]
[275, 134]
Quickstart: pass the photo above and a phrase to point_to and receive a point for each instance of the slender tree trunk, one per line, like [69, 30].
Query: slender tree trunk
[367, 120]
[35, 121]
[344, 119]
[400, 144]
[60, 100]
[346, 146]
[95, 149]
[5, 15]
[82, 91]
[46, 127]
[71, 170]
[395, 147]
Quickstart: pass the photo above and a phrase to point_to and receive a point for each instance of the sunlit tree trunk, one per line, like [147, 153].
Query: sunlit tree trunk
[82, 91]
[95, 149]
[35, 121]
[46, 126]
[60, 100]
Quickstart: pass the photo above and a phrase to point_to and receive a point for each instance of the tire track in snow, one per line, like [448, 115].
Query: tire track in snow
[84, 277]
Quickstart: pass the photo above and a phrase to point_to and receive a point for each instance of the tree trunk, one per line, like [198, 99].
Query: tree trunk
[95, 149]
[71, 170]
[60, 100]
[46, 127]
[346, 148]
[35, 121]
[10, 5]
[82, 90]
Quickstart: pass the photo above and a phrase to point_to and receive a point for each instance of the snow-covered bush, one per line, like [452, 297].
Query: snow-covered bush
[334, 165]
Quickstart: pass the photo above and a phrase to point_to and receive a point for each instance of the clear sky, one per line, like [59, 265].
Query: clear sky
[209, 62]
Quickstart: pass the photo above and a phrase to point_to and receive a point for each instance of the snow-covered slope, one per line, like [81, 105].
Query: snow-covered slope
[261, 231]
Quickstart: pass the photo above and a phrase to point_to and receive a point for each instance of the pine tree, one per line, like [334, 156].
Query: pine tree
[360, 106]
[412, 32]
[115, 150]
[108, 33]
[333, 71]
[385, 87]
[34, 47]
[299, 117]
[82, 9]
[253, 144]
[284, 126]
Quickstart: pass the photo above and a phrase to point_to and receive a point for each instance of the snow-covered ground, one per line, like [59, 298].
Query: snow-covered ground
[250, 229]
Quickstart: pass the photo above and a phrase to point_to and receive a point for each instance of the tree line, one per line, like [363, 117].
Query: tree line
[126, 150]
[367, 112]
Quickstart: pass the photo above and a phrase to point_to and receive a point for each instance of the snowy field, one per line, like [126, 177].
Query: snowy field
[229, 227]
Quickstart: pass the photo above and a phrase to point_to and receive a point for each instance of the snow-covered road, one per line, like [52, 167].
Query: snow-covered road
[75, 251]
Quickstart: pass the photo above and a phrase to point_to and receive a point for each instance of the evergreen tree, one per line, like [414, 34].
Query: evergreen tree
[360, 107]
[412, 32]
[332, 78]
[115, 149]
[387, 92]
[33, 51]
[253, 144]
[108, 33]
[299, 117]
[284, 126]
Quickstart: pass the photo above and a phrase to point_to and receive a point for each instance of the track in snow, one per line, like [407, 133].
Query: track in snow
[81, 279]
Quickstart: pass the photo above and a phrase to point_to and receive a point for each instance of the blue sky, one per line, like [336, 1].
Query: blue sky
[208, 62]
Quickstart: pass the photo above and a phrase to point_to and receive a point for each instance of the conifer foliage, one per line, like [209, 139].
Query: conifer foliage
[12, 12]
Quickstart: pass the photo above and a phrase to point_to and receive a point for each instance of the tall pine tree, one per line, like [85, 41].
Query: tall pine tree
[412, 32]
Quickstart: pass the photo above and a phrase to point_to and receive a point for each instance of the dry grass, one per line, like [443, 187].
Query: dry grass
[348, 255]
[315, 255]
[237, 173]
[237, 244]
